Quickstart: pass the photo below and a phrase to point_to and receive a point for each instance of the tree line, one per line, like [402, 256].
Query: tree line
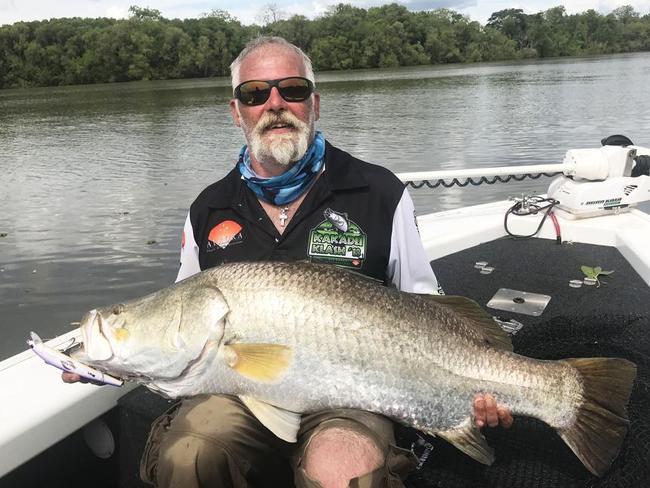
[147, 46]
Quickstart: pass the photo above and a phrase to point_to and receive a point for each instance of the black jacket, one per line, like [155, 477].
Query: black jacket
[349, 218]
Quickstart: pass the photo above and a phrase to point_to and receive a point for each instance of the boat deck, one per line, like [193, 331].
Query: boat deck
[542, 266]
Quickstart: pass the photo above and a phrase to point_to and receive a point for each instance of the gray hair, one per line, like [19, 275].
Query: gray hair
[263, 41]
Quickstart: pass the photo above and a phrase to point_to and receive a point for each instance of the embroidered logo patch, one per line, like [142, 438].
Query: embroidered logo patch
[337, 240]
[224, 234]
[338, 220]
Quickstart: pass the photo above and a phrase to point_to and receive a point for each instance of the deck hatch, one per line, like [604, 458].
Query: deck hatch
[519, 302]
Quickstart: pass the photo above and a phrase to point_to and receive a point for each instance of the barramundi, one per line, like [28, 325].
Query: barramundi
[292, 338]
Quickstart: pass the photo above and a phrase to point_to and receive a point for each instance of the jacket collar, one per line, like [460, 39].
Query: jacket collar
[342, 170]
[341, 173]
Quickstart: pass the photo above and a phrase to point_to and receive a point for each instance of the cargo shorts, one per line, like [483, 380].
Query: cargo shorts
[215, 441]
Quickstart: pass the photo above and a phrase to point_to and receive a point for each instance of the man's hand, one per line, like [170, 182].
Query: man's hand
[73, 378]
[70, 377]
[487, 412]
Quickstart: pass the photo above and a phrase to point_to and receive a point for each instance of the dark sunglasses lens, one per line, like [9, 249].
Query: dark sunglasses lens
[294, 89]
[254, 92]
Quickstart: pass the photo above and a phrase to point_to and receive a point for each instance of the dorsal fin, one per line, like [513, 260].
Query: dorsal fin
[487, 329]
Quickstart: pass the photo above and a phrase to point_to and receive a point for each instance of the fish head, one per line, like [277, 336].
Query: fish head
[156, 337]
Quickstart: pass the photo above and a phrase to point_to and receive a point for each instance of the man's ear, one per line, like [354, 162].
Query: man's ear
[316, 102]
[234, 112]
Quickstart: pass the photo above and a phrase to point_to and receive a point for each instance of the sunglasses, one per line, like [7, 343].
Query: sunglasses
[257, 92]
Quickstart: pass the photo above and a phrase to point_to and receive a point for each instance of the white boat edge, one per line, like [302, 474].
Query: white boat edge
[38, 409]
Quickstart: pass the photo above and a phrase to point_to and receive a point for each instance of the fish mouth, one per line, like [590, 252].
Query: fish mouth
[96, 345]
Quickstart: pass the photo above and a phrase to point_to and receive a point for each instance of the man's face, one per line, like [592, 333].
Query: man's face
[277, 132]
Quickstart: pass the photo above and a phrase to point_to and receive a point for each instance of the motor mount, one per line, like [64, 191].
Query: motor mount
[600, 181]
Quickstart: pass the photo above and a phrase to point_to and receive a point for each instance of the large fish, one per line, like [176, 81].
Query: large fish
[301, 337]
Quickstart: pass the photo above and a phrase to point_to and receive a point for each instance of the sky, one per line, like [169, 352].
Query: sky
[252, 11]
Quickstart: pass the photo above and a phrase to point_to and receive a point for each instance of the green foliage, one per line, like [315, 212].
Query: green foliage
[147, 46]
[144, 13]
[594, 273]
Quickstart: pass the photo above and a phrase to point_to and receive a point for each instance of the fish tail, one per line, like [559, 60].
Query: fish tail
[601, 420]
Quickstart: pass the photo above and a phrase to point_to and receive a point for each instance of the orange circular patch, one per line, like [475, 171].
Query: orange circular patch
[224, 232]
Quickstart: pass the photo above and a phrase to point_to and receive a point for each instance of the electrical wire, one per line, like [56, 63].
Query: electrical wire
[531, 206]
[480, 181]
[556, 224]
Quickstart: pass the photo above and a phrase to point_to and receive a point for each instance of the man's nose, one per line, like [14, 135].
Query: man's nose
[275, 101]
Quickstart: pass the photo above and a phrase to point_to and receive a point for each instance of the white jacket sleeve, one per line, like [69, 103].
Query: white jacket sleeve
[189, 253]
[408, 265]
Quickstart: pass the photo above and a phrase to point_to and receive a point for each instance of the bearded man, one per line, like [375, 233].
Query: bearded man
[292, 196]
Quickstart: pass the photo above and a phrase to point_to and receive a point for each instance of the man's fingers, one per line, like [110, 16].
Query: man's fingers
[74, 378]
[479, 411]
[70, 377]
[505, 417]
[487, 412]
[491, 410]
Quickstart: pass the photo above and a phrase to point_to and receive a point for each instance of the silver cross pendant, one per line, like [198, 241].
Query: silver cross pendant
[283, 215]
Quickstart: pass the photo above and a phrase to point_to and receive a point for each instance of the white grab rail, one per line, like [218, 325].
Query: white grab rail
[450, 174]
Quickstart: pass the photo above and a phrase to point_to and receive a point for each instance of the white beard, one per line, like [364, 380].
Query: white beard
[279, 149]
[282, 149]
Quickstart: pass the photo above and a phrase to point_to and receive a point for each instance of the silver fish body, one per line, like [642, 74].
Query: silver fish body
[346, 341]
[364, 346]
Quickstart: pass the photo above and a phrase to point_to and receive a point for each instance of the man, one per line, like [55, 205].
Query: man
[289, 194]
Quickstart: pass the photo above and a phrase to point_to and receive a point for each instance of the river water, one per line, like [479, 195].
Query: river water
[95, 181]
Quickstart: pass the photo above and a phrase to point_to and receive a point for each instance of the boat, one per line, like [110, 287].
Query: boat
[566, 273]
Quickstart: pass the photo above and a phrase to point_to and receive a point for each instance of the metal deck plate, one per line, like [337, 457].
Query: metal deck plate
[519, 301]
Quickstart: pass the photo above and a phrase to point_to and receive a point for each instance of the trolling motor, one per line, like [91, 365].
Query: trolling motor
[604, 180]
[599, 181]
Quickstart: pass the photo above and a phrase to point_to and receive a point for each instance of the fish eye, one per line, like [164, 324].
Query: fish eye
[117, 309]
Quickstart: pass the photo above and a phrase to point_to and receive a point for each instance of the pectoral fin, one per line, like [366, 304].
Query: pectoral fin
[265, 363]
[283, 423]
[121, 334]
[469, 439]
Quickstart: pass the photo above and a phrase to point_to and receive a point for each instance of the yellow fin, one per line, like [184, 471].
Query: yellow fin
[483, 323]
[265, 363]
[121, 334]
[283, 423]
